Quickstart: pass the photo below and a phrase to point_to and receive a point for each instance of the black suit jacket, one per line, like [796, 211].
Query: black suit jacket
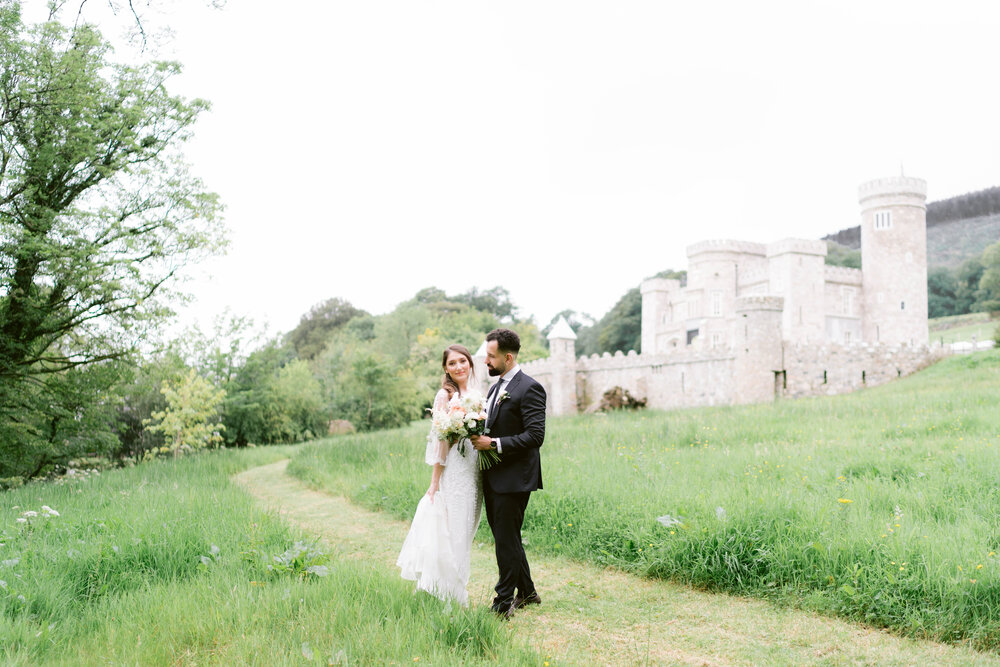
[519, 422]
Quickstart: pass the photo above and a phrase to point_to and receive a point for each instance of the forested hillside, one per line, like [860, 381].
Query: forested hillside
[958, 229]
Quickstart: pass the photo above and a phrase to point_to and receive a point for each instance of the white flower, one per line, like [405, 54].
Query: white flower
[30, 513]
[3, 584]
[48, 510]
[21, 520]
[668, 520]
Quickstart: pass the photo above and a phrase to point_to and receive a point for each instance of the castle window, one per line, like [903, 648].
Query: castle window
[716, 303]
[902, 305]
[847, 300]
[883, 219]
[716, 340]
[847, 337]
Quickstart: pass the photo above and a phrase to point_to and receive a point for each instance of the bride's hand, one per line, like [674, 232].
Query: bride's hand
[431, 491]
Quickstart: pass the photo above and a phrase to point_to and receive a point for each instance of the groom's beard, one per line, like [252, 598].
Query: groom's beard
[493, 372]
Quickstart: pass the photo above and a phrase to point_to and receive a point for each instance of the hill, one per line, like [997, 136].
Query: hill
[958, 228]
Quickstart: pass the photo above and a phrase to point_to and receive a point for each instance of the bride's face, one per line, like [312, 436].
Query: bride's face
[457, 366]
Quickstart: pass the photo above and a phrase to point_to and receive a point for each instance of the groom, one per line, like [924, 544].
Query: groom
[516, 423]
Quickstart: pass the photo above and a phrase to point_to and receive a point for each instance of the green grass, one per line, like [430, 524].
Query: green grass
[879, 506]
[127, 574]
[958, 328]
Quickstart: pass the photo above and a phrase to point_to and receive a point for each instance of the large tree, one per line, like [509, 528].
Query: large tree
[98, 214]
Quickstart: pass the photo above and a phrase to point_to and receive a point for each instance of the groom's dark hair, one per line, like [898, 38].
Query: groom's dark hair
[507, 340]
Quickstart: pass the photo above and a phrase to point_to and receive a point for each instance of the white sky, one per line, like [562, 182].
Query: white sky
[565, 150]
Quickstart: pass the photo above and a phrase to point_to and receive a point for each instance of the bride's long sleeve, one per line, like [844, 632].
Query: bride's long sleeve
[437, 449]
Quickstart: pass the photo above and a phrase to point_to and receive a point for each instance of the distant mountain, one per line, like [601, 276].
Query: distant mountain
[958, 228]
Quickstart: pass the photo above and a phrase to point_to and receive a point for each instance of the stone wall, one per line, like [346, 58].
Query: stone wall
[820, 370]
[694, 377]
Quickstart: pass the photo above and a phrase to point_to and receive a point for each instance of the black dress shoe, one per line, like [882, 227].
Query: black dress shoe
[531, 598]
[503, 611]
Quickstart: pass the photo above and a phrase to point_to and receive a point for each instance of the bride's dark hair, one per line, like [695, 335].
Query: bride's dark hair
[447, 383]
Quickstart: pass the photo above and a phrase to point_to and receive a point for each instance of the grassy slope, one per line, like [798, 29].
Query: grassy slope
[118, 578]
[877, 506]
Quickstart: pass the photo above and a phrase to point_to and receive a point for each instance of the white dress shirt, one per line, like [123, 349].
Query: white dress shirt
[504, 380]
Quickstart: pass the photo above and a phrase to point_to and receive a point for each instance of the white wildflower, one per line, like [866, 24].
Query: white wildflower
[668, 520]
[21, 520]
[30, 514]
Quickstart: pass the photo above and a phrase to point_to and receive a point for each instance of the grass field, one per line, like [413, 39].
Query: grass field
[166, 563]
[958, 328]
[879, 506]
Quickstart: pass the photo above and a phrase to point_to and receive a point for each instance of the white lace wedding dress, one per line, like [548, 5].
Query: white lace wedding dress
[438, 548]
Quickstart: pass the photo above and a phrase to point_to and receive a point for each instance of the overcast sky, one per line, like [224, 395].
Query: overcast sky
[565, 150]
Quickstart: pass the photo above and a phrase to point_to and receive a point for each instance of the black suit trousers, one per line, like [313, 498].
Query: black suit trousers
[505, 514]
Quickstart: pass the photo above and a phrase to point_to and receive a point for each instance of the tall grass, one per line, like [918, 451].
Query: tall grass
[156, 565]
[879, 506]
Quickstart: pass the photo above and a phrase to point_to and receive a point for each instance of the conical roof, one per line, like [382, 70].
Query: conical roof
[562, 329]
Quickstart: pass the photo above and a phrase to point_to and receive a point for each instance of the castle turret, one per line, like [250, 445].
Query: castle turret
[562, 355]
[656, 314]
[758, 371]
[894, 260]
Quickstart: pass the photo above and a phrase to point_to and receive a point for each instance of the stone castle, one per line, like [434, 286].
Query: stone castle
[757, 321]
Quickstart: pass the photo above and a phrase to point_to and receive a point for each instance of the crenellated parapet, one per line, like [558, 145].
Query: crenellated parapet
[844, 275]
[726, 246]
[760, 302]
[893, 191]
[797, 246]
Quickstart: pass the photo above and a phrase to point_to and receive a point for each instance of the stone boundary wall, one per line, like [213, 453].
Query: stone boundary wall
[823, 370]
[665, 381]
[708, 377]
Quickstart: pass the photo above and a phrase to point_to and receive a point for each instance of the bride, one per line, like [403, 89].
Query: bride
[437, 550]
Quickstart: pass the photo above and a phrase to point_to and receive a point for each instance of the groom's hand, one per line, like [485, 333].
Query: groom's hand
[482, 442]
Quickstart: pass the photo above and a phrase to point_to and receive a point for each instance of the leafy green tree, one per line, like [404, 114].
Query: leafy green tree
[190, 420]
[840, 255]
[315, 328]
[296, 404]
[621, 328]
[138, 395]
[941, 286]
[495, 301]
[989, 282]
[967, 292]
[374, 394]
[97, 215]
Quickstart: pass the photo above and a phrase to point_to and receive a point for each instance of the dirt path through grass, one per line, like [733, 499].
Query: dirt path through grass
[600, 616]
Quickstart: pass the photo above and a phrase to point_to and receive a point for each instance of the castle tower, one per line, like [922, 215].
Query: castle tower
[656, 315]
[562, 355]
[759, 366]
[796, 271]
[894, 260]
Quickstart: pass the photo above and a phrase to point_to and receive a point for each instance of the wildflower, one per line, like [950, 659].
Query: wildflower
[844, 501]
[21, 519]
[30, 514]
[979, 567]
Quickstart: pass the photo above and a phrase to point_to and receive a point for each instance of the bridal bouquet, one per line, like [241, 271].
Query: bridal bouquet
[463, 417]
